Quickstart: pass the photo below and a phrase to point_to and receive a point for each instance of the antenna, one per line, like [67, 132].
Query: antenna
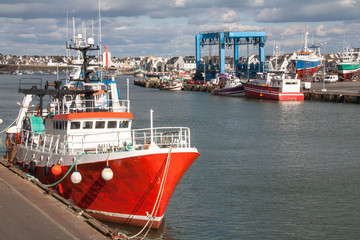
[99, 52]
[92, 28]
[74, 29]
[67, 38]
[99, 27]
[83, 29]
[67, 28]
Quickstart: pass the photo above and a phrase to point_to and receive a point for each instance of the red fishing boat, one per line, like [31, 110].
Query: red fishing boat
[83, 145]
[274, 85]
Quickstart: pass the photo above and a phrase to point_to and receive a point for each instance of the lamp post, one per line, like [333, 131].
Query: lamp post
[324, 67]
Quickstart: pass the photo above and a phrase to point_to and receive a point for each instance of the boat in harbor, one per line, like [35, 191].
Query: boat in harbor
[139, 73]
[172, 85]
[307, 61]
[78, 139]
[348, 66]
[274, 85]
[229, 86]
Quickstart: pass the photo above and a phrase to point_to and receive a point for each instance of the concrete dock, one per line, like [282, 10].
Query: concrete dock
[29, 211]
[341, 92]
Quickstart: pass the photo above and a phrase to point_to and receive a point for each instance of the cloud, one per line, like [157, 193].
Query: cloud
[309, 11]
[228, 16]
[160, 26]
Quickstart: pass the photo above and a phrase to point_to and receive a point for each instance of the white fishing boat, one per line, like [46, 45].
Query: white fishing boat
[229, 86]
[172, 85]
[348, 66]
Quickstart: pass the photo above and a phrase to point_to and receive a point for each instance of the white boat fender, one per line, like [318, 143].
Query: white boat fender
[76, 177]
[107, 174]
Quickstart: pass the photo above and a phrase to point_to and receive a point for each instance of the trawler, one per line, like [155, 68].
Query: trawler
[78, 139]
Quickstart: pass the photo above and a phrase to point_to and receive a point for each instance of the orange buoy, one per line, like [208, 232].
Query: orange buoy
[56, 170]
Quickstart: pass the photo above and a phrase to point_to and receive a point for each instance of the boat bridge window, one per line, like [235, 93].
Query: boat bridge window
[91, 124]
[123, 124]
[87, 125]
[99, 124]
[111, 124]
[75, 125]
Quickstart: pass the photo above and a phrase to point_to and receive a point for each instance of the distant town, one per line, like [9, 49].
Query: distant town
[12, 64]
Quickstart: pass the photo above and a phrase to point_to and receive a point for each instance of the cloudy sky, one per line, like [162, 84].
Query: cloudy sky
[168, 27]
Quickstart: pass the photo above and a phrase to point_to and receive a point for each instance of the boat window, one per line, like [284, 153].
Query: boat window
[87, 125]
[75, 125]
[100, 124]
[111, 124]
[62, 125]
[124, 124]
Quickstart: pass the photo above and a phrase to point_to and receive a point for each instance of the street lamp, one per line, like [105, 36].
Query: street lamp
[324, 67]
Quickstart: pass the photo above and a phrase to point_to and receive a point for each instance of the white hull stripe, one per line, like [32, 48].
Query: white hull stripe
[125, 216]
[270, 93]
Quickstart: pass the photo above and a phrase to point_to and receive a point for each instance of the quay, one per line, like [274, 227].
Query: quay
[31, 211]
[341, 92]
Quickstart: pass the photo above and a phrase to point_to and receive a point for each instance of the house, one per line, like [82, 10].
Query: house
[189, 63]
[175, 64]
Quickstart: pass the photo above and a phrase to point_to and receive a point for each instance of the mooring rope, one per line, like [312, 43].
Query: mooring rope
[67, 173]
[155, 209]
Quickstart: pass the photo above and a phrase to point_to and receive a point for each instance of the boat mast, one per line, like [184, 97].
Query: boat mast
[99, 52]
[84, 48]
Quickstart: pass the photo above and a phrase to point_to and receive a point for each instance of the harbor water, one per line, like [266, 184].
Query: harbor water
[267, 169]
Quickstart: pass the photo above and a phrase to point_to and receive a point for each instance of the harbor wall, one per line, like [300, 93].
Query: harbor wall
[332, 97]
[310, 95]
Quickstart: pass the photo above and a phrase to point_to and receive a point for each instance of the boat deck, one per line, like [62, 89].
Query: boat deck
[28, 211]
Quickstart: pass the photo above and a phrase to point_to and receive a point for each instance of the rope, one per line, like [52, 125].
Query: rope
[157, 202]
[67, 173]
[8, 126]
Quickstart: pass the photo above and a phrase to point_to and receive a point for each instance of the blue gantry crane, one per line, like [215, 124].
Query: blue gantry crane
[231, 39]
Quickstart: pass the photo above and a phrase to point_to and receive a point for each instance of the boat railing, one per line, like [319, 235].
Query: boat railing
[77, 106]
[163, 137]
[141, 139]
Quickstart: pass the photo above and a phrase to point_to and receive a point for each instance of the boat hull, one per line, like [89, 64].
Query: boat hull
[305, 68]
[177, 88]
[235, 91]
[348, 71]
[271, 93]
[131, 195]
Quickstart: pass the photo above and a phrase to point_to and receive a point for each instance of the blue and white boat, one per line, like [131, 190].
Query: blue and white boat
[307, 61]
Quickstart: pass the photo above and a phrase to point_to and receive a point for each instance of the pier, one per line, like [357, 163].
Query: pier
[340, 92]
[31, 211]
